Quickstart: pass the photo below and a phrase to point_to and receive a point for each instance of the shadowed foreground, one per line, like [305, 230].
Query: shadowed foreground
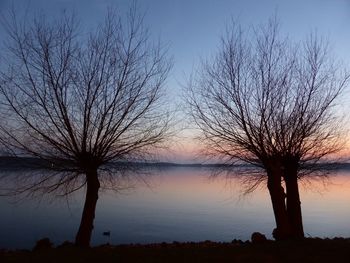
[308, 250]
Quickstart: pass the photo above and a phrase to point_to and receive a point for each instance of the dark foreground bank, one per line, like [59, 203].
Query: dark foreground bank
[308, 250]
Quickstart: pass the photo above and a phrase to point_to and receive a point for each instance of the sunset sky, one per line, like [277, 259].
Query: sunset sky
[192, 29]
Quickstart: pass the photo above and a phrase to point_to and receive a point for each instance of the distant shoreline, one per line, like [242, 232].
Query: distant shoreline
[36, 163]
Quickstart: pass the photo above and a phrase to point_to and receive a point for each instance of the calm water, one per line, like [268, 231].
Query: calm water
[180, 204]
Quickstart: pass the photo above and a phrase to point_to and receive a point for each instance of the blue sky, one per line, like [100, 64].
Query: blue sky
[192, 28]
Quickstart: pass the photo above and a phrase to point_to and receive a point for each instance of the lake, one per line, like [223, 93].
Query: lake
[177, 204]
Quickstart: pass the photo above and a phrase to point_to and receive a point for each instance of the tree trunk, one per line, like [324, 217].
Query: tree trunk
[86, 224]
[277, 195]
[293, 206]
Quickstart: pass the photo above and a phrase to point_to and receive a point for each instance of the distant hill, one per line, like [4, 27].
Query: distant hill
[30, 162]
[21, 162]
[8, 162]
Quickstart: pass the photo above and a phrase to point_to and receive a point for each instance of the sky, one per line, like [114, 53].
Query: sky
[192, 29]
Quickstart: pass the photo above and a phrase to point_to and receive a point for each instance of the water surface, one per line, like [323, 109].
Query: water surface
[181, 204]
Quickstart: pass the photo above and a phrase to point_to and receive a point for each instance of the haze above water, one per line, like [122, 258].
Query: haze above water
[179, 204]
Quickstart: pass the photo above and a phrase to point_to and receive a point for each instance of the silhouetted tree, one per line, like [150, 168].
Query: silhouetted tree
[81, 100]
[268, 102]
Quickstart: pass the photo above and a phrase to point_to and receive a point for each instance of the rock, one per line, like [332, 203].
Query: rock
[258, 238]
[44, 243]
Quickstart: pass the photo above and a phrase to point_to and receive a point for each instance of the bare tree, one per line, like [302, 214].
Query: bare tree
[268, 102]
[81, 101]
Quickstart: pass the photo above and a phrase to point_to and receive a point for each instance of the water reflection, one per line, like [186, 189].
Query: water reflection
[181, 204]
